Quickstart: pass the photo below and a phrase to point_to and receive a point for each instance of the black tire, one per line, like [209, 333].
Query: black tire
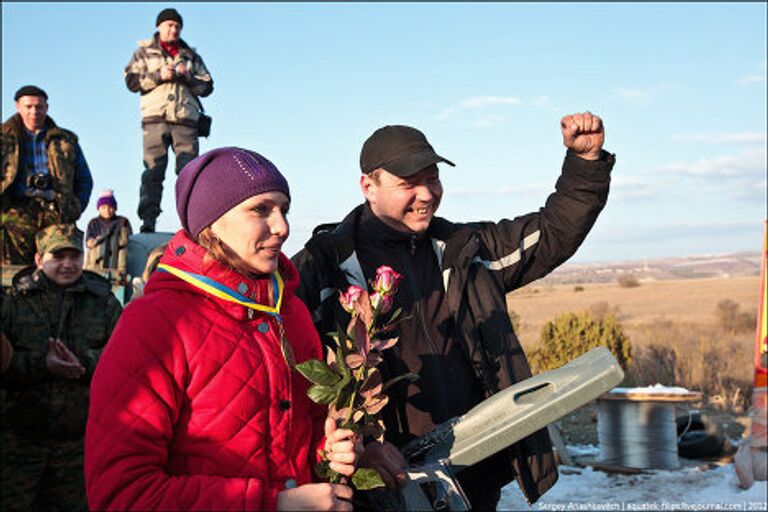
[701, 439]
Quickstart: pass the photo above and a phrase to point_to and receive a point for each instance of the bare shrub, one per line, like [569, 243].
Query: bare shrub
[628, 281]
[654, 364]
[578, 288]
[734, 395]
[731, 320]
[697, 358]
[721, 382]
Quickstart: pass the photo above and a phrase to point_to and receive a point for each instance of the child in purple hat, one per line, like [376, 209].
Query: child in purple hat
[107, 221]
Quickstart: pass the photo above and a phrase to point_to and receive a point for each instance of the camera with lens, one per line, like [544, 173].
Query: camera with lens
[39, 180]
[186, 64]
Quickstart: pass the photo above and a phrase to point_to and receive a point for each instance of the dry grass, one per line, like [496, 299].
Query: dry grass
[687, 301]
[675, 328]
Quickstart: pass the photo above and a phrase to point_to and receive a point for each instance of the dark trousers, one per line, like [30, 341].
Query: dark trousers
[157, 138]
[42, 475]
[482, 482]
[21, 220]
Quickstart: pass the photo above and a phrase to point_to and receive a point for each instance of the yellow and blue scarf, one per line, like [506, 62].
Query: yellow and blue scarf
[225, 293]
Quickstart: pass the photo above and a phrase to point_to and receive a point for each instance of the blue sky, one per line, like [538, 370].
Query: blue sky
[681, 88]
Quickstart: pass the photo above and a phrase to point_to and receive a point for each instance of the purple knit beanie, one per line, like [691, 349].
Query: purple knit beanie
[106, 196]
[214, 182]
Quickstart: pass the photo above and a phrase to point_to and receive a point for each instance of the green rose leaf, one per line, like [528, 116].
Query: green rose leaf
[343, 382]
[365, 479]
[322, 394]
[342, 364]
[318, 372]
[342, 397]
[323, 469]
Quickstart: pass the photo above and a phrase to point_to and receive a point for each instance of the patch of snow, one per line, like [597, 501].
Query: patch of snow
[656, 388]
[582, 450]
[690, 488]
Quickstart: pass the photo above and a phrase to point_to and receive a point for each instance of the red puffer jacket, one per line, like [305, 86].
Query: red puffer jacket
[193, 405]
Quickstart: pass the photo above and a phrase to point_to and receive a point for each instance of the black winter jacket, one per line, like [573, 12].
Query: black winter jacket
[480, 263]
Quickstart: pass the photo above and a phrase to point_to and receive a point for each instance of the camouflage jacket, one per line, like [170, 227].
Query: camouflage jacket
[39, 404]
[174, 101]
[62, 151]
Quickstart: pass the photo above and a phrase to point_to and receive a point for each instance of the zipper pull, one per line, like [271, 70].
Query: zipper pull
[413, 245]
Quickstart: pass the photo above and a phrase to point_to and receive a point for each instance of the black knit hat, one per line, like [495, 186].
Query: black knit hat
[169, 14]
[29, 90]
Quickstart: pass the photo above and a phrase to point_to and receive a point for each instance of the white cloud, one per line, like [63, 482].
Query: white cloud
[756, 77]
[633, 94]
[639, 93]
[740, 176]
[544, 101]
[675, 229]
[752, 79]
[487, 101]
[632, 187]
[500, 191]
[479, 102]
[489, 120]
[721, 137]
[622, 187]
[748, 163]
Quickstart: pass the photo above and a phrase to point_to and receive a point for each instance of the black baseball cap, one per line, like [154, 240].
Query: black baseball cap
[400, 150]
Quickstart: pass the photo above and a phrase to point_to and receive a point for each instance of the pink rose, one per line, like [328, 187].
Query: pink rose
[350, 297]
[386, 280]
[381, 302]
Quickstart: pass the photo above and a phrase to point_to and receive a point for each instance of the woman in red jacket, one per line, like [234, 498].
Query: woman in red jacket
[194, 403]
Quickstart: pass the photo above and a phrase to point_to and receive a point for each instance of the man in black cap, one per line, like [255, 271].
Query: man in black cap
[45, 180]
[170, 76]
[456, 333]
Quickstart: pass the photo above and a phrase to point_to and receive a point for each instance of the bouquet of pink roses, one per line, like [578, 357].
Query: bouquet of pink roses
[348, 381]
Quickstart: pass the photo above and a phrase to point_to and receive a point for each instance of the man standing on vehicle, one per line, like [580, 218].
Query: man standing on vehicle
[45, 178]
[456, 333]
[170, 76]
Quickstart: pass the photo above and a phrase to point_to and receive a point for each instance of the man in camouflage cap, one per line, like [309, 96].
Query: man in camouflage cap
[58, 319]
[60, 253]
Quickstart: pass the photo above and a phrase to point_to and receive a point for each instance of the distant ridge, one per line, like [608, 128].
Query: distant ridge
[684, 267]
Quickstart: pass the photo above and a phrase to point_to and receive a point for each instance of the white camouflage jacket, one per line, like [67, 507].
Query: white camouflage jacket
[173, 101]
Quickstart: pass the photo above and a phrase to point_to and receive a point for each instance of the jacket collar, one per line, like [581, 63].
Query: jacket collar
[14, 125]
[186, 255]
[32, 278]
[345, 233]
[373, 228]
[155, 43]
